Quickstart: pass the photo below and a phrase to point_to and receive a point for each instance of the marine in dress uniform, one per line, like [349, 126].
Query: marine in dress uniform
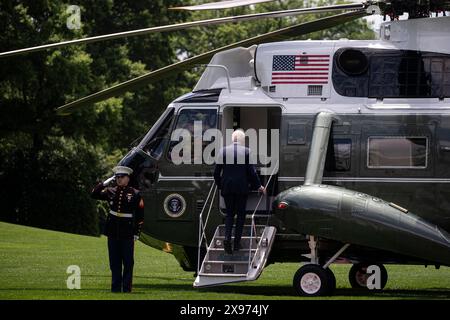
[123, 226]
[235, 179]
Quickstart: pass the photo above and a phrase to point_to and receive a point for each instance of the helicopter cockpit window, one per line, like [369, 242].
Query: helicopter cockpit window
[397, 152]
[155, 147]
[187, 118]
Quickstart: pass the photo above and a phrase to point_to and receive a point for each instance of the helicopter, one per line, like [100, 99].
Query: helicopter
[358, 134]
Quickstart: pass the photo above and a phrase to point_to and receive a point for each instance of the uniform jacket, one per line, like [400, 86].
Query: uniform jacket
[123, 200]
[235, 177]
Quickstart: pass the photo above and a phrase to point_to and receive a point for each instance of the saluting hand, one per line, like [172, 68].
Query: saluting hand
[262, 190]
[108, 181]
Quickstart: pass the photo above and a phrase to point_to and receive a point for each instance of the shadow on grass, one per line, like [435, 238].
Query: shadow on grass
[188, 279]
[62, 290]
[288, 291]
[432, 293]
[268, 292]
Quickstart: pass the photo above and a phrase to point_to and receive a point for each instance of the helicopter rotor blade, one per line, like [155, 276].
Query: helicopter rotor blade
[220, 5]
[185, 25]
[278, 35]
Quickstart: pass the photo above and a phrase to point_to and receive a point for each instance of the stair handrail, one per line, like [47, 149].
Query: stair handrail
[202, 226]
[253, 225]
[209, 212]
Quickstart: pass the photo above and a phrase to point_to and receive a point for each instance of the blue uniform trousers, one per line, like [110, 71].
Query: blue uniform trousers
[121, 252]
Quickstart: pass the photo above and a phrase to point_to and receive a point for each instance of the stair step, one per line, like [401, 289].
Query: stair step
[234, 251]
[219, 267]
[245, 242]
[226, 261]
[221, 255]
[245, 232]
[222, 274]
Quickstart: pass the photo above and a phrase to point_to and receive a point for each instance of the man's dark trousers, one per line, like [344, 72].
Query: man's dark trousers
[121, 253]
[235, 204]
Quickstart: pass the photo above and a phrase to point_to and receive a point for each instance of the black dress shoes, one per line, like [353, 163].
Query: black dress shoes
[227, 246]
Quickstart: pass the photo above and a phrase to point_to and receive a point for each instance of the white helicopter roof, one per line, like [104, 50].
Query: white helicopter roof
[426, 34]
[293, 72]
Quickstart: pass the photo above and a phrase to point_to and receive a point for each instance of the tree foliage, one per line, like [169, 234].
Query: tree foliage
[49, 163]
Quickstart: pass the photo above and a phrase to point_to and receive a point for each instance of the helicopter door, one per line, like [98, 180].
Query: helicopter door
[261, 119]
[150, 150]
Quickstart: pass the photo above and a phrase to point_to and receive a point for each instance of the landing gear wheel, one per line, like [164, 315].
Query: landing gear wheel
[312, 280]
[358, 275]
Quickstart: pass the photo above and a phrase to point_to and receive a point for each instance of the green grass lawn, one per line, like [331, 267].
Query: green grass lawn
[33, 264]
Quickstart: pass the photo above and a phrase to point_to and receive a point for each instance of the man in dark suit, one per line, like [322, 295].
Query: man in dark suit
[235, 176]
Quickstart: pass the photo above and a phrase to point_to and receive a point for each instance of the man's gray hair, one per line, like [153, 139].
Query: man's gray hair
[238, 136]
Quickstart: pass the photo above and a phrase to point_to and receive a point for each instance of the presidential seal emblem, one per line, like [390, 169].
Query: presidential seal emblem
[174, 205]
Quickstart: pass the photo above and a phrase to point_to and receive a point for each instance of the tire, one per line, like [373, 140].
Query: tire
[312, 280]
[358, 275]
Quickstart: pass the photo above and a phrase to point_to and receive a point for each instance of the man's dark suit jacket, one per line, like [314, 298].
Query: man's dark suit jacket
[235, 178]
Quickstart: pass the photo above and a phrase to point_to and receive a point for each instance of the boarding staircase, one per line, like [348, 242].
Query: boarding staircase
[218, 267]
[245, 264]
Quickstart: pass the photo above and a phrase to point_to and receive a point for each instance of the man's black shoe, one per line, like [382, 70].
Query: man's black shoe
[227, 246]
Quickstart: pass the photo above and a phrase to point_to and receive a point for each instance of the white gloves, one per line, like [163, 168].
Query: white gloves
[262, 190]
[108, 181]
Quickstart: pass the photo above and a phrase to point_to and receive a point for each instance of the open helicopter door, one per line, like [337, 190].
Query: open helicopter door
[261, 125]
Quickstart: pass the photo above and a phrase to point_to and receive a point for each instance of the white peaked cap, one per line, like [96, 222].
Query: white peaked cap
[122, 170]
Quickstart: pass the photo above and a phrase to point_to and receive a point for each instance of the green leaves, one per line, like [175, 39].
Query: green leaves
[62, 157]
[59, 159]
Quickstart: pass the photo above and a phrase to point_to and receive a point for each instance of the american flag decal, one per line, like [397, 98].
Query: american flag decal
[300, 69]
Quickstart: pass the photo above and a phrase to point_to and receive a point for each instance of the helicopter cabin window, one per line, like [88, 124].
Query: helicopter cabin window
[187, 118]
[339, 155]
[155, 147]
[296, 133]
[382, 73]
[397, 152]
